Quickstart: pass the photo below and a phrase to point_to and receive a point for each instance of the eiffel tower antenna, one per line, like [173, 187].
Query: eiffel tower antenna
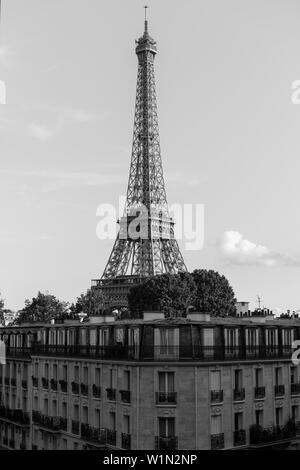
[145, 245]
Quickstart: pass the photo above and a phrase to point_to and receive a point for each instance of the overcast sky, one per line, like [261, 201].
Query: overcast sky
[230, 137]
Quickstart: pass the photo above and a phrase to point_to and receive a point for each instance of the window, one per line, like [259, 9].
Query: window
[238, 379]
[293, 374]
[54, 371]
[126, 424]
[278, 375]
[76, 374]
[85, 414]
[112, 378]
[46, 406]
[36, 369]
[278, 415]
[126, 380]
[36, 403]
[24, 400]
[97, 377]
[166, 427]
[76, 412]
[258, 377]
[65, 372]
[46, 370]
[166, 382]
[54, 408]
[85, 375]
[216, 424]
[238, 421]
[64, 410]
[64, 444]
[295, 412]
[97, 419]
[215, 380]
[259, 417]
[112, 420]
[166, 339]
[251, 338]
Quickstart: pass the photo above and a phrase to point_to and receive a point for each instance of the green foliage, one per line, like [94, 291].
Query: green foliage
[206, 291]
[2, 311]
[213, 294]
[43, 308]
[169, 293]
[89, 303]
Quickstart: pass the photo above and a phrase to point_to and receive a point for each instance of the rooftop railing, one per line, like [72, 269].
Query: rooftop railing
[165, 353]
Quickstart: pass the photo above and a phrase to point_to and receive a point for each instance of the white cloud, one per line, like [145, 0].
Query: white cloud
[235, 249]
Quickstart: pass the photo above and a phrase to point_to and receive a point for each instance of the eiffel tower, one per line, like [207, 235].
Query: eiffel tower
[145, 245]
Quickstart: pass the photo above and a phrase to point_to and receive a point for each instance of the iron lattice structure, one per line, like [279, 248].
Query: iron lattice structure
[145, 245]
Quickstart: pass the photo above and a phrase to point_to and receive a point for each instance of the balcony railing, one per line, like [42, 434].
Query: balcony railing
[295, 389]
[239, 437]
[53, 385]
[166, 443]
[53, 423]
[63, 386]
[217, 441]
[126, 441]
[216, 396]
[23, 353]
[125, 396]
[279, 390]
[259, 392]
[150, 352]
[84, 389]
[166, 398]
[260, 435]
[96, 391]
[15, 416]
[45, 383]
[238, 394]
[75, 388]
[35, 381]
[97, 435]
[111, 394]
[75, 427]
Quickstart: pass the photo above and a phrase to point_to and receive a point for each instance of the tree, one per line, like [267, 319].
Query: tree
[90, 303]
[213, 293]
[43, 308]
[169, 293]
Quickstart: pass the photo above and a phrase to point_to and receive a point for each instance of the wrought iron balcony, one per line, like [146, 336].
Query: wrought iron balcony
[15, 416]
[166, 443]
[216, 396]
[126, 441]
[238, 394]
[166, 398]
[22, 353]
[295, 389]
[24, 384]
[53, 385]
[98, 436]
[75, 388]
[260, 435]
[279, 390]
[239, 437]
[217, 441]
[45, 383]
[259, 392]
[63, 386]
[52, 423]
[75, 427]
[96, 391]
[111, 394]
[13, 382]
[84, 389]
[35, 381]
[125, 396]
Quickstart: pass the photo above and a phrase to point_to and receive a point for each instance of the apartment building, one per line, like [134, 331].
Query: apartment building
[187, 383]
